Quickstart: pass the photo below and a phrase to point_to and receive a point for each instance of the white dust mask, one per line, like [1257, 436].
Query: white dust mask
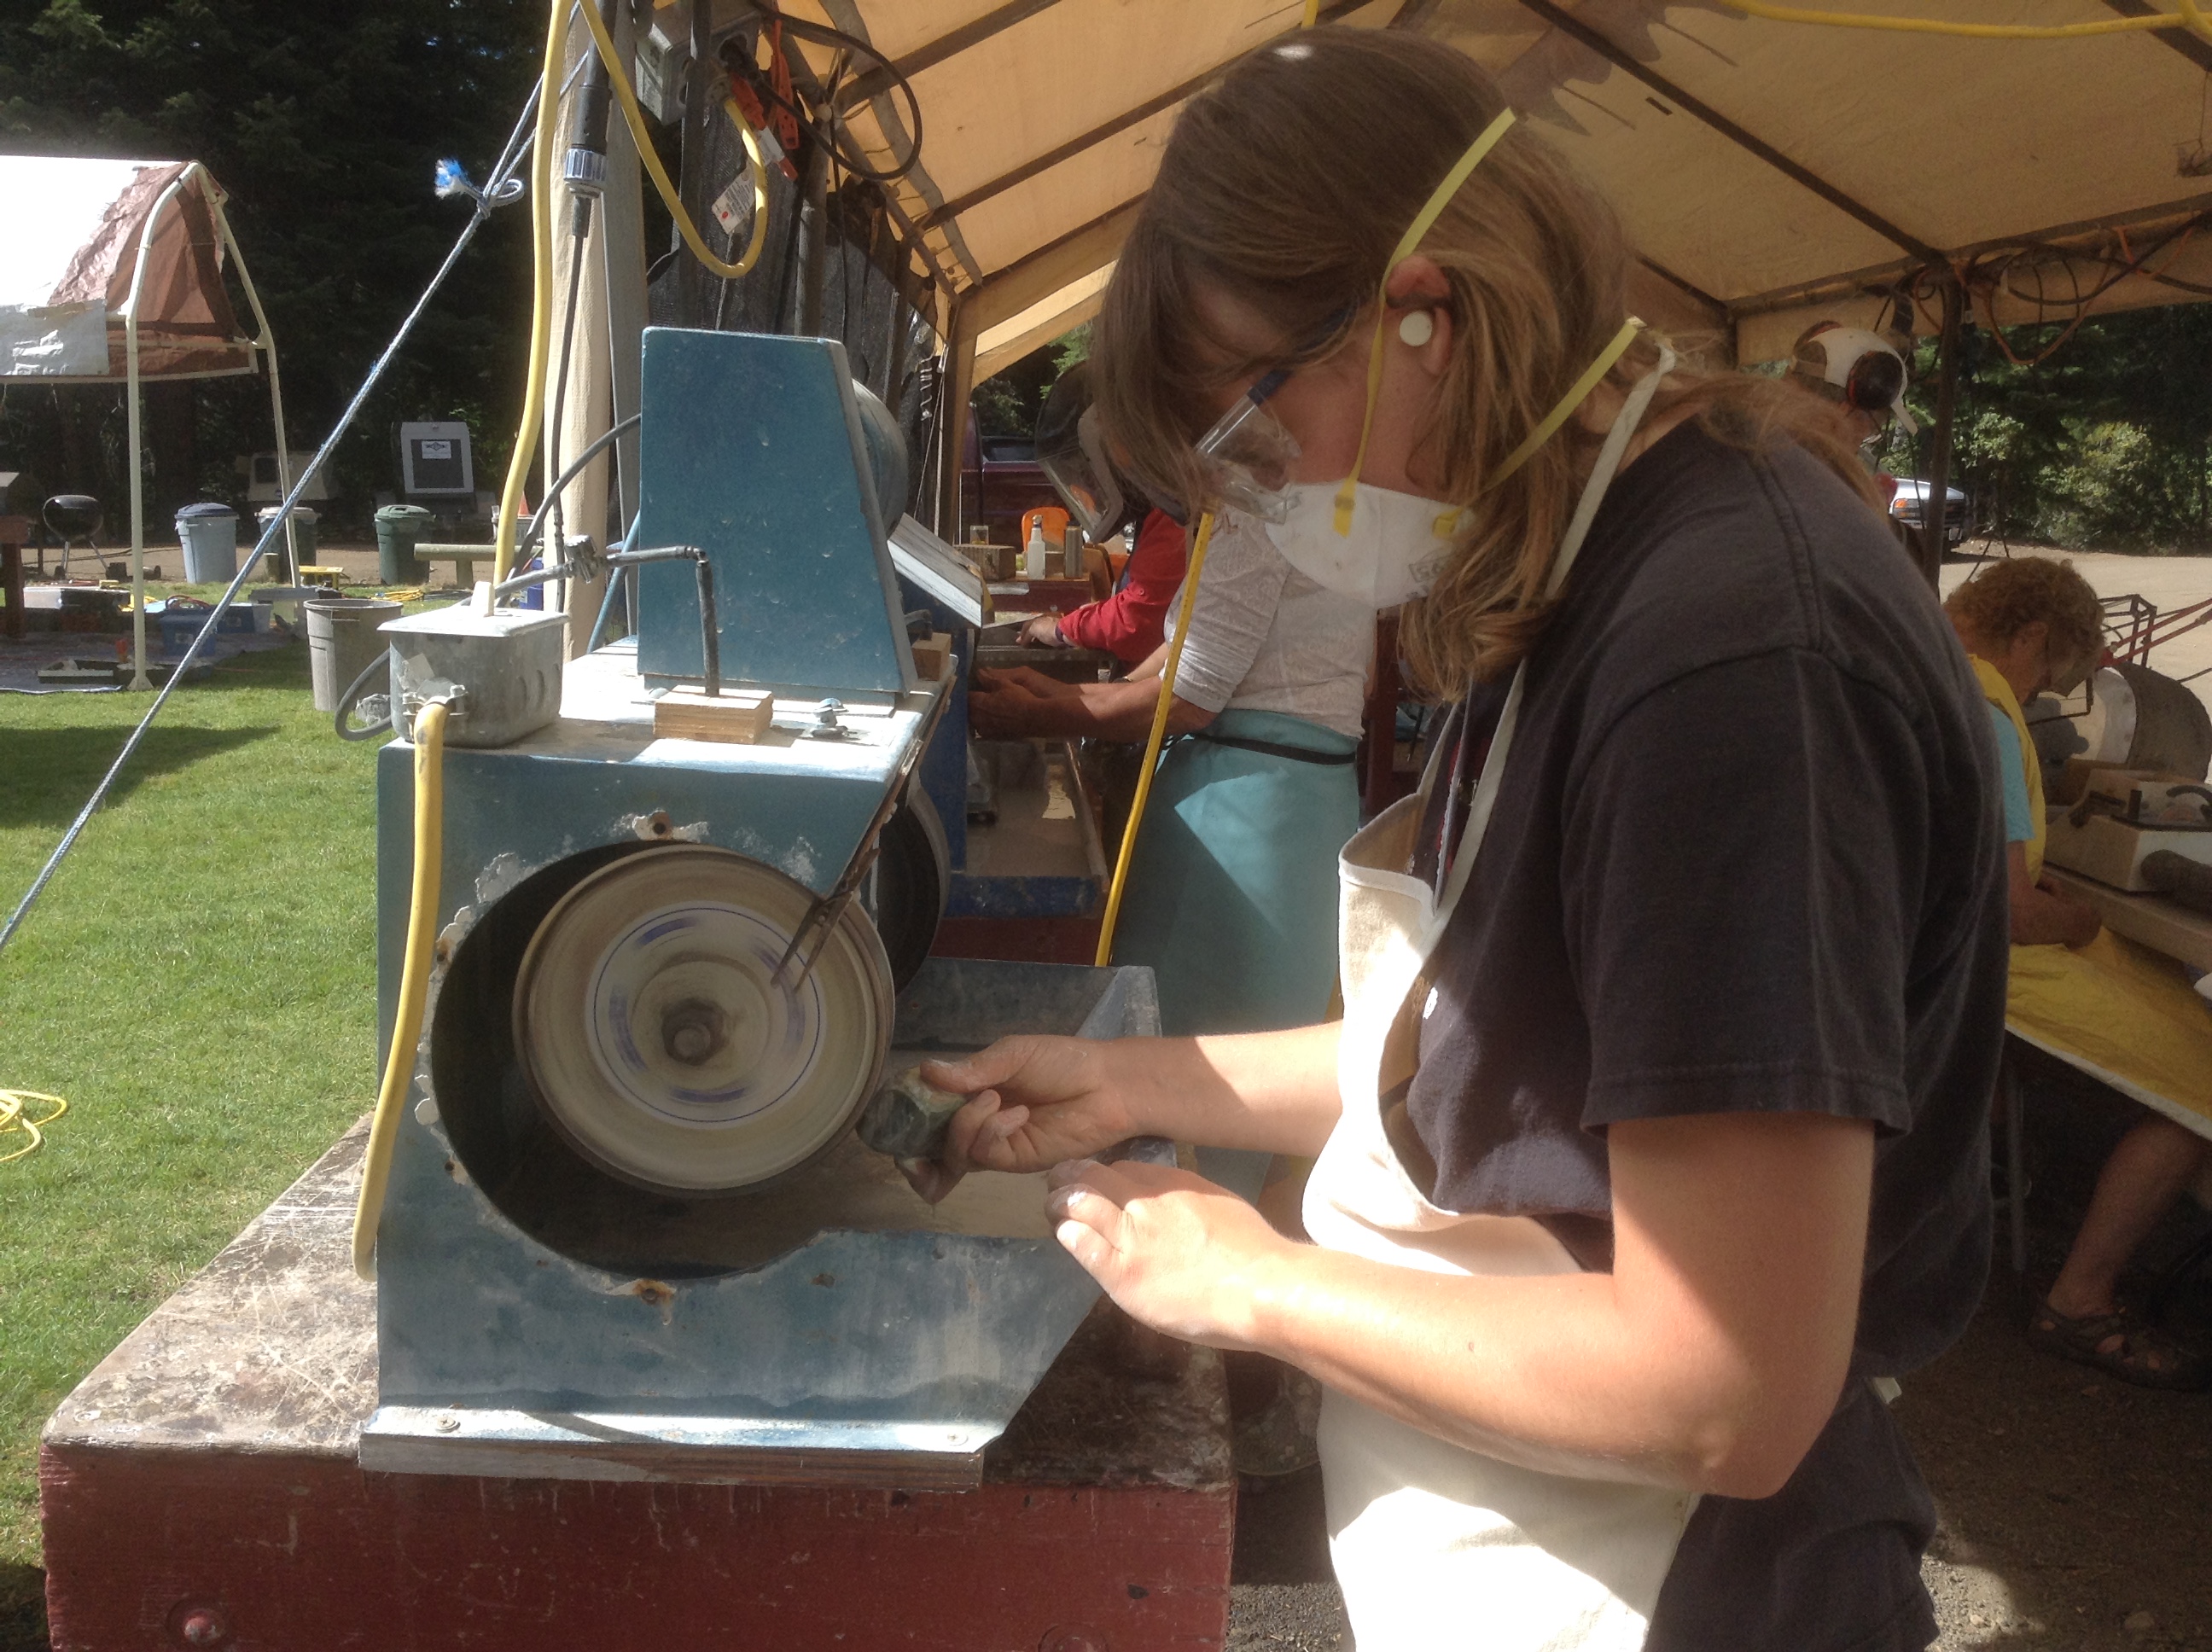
[1397, 542]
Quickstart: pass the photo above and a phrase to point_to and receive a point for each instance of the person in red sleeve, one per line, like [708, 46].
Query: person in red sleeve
[1133, 622]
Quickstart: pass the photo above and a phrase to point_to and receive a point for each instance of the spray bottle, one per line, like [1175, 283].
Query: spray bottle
[1033, 553]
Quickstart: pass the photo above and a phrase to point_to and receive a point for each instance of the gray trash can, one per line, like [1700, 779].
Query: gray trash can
[398, 529]
[303, 530]
[209, 534]
[342, 639]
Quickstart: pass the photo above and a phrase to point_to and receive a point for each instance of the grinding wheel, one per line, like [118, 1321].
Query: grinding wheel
[659, 1047]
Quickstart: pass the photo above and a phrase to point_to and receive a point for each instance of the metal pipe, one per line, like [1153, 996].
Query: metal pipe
[710, 625]
[813, 241]
[1935, 502]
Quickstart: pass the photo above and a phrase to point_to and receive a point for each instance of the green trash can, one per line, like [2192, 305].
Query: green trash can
[400, 529]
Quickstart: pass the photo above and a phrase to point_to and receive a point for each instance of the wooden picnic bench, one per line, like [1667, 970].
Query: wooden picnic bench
[463, 558]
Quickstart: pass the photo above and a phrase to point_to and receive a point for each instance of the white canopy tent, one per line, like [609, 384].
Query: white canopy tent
[1773, 173]
[102, 253]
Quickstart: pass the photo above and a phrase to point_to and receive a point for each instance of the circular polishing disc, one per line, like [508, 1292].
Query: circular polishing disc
[646, 1018]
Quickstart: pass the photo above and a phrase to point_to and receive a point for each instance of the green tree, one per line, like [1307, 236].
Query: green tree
[322, 121]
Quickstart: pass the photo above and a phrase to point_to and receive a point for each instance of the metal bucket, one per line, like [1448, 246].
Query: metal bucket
[342, 640]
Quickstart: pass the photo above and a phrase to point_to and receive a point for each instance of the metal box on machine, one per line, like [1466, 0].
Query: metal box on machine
[630, 1232]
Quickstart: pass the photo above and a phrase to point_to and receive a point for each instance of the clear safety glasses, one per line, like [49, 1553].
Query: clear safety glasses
[1246, 460]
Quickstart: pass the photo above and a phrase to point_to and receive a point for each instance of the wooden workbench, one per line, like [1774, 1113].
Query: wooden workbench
[2162, 925]
[201, 1488]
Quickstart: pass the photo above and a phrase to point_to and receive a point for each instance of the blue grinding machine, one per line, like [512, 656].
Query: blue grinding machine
[689, 884]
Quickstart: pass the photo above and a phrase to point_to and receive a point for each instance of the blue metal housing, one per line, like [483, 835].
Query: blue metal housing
[753, 451]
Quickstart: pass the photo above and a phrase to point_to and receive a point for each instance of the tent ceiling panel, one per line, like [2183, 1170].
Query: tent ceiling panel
[1066, 197]
[1642, 153]
[1898, 113]
[1039, 117]
[1782, 170]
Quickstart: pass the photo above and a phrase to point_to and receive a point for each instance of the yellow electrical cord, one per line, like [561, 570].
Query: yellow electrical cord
[669, 196]
[414, 981]
[14, 1117]
[1160, 709]
[541, 224]
[2190, 16]
[541, 288]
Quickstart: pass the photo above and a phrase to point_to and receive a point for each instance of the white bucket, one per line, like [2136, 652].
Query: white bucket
[342, 639]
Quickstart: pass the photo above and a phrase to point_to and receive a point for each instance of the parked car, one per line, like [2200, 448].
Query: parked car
[1000, 479]
[1905, 510]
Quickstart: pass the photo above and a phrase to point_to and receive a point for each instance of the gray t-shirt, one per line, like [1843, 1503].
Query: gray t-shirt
[1746, 855]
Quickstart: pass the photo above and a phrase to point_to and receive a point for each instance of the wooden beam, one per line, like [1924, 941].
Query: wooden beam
[1051, 267]
[2181, 39]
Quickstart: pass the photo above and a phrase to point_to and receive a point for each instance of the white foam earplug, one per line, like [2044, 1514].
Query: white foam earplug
[1417, 328]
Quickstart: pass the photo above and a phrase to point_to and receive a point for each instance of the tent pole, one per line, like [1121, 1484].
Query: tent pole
[267, 344]
[139, 680]
[1936, 502]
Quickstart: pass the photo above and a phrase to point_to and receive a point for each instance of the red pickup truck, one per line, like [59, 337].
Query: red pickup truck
[1000, 480]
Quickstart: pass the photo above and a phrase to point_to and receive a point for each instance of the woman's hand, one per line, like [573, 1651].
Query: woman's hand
[1034, 1101]
[2079, 918]
[1043, 632]
[1172, 1250]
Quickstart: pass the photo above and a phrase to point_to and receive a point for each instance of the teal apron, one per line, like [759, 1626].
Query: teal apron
[1232, 891]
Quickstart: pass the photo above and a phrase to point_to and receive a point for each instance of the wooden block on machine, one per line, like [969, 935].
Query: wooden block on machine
[932, 655]
[740, 717]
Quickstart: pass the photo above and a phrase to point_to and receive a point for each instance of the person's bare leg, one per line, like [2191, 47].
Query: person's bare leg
[2145, 1175]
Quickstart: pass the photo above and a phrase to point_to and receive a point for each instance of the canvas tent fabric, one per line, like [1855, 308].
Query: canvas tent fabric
[1772, 174]
[68, 263]
[112, 272]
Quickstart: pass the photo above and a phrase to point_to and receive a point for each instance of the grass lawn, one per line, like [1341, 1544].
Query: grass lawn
[199, 982]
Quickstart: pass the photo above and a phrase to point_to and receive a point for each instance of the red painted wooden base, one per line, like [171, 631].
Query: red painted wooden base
[200, 1488]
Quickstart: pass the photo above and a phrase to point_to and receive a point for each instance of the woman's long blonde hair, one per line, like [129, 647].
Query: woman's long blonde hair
[1285, 185]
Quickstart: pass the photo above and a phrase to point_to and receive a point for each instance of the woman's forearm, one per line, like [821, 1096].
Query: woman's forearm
[1271, 1092]
[1708, 1359]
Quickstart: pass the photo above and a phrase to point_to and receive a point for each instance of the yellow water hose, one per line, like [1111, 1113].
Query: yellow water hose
[2190, 16]
[414, 982]
[533, 387]
[661, 181]
[541, 239]
[1160, 710]
[15, 1119]
[541, 288]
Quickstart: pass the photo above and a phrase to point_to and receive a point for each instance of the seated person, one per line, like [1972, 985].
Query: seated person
[2102, 1001]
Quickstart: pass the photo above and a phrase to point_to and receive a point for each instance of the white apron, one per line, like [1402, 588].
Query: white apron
[1435, 1546]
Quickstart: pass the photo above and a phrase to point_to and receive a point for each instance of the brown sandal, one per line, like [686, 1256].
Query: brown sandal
[2143, 1355]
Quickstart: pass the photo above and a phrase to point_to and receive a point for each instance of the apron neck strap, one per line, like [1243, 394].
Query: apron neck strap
[1625, 425]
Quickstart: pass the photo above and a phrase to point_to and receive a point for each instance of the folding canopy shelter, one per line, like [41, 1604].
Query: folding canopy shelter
[102, 253]
[1772, 173]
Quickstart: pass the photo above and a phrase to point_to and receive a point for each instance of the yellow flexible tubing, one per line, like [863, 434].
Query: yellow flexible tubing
[414, 979]
[15, 1117]
[661, 181]
[2190, 16]
[1160, 709]
[541, 287]
[541, 226]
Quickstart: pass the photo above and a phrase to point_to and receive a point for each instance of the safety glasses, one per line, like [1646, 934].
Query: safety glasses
[1244, 461]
